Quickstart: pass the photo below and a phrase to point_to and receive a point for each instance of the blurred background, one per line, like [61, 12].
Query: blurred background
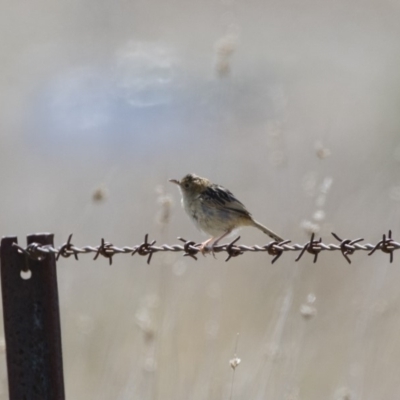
[293, 106]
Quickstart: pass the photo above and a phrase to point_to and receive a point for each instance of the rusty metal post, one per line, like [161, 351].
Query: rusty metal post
[31, 323]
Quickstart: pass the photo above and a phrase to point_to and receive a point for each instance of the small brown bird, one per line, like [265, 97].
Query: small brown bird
[215, 210]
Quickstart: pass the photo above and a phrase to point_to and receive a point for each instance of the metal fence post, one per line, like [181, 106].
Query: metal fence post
[31, 323]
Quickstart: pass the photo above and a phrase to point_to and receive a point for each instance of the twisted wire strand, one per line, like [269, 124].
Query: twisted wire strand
[275, 249]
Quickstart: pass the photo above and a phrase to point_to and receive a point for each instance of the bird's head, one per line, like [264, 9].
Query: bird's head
[191, 184]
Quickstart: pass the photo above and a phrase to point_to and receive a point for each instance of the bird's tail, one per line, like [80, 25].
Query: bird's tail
[267, 231]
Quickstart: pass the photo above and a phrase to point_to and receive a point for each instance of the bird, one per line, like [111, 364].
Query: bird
[215, 210]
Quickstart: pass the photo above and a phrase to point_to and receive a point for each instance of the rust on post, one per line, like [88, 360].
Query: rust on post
[31, 322]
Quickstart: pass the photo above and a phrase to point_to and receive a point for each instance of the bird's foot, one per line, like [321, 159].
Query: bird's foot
[205, 248]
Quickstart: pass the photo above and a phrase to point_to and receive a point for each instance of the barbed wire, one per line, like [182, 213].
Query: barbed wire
[191, 249]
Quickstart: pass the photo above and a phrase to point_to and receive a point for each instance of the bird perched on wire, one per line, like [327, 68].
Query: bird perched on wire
[215, 210]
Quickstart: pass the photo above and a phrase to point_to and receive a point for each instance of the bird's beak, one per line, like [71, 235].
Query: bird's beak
[175, 181]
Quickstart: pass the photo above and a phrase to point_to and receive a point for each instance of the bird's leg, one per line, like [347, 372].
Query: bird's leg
[218, 239]
[204, 248]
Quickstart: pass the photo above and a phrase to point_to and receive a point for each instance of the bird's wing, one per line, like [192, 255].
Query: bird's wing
[219, 197]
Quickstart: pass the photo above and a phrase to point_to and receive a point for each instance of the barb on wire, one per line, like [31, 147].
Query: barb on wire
[66, 250]
[106, 250]
[232, 250]
[313, 247]
[346, 246]
[276, 249]
[145, 248]
[189, 248]
[386, 245]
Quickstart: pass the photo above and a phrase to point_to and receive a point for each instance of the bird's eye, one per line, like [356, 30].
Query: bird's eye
[186, 185]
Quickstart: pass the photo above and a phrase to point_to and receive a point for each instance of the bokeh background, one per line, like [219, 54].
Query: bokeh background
[292, 105]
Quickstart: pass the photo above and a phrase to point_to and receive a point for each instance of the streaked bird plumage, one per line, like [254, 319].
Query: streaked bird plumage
[214, 209]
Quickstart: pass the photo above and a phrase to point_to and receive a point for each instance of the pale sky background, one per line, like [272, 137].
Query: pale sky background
[292, 105]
